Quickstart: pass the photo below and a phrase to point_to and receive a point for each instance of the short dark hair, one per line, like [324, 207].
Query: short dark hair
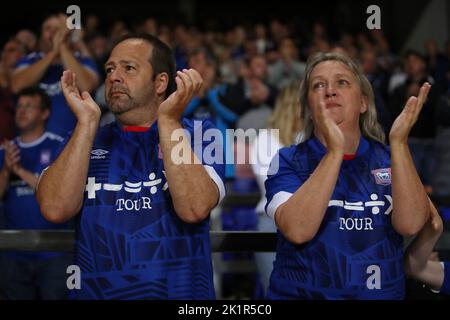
[415, 53]
[162, 58]
[46, 102]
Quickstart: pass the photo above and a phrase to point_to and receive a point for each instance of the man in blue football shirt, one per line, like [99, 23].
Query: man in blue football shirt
[143, 230]
[340, 224]
[29, 275]
[57, 52]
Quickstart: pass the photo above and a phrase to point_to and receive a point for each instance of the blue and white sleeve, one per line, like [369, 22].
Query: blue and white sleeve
[207, 144]
[282, 180]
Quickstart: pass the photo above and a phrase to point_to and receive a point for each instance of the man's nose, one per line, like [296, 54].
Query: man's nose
[115, 76]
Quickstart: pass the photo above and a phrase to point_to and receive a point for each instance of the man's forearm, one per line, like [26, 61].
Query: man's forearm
[31, 75]
[410, 202]
[193, 192]
[61, 189]
[87, 80]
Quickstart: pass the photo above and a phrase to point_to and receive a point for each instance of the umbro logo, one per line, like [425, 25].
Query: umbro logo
[98, 154]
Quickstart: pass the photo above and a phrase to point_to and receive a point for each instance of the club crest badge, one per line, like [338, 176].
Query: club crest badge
[382, 176]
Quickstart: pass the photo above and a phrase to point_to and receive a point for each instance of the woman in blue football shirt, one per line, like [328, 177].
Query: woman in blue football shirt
[342, 199]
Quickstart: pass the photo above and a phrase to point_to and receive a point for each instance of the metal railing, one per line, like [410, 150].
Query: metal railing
[221, 241]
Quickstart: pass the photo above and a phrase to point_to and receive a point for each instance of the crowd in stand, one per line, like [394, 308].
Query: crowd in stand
[243, 68]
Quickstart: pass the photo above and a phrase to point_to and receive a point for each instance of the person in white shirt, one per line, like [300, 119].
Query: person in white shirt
[284, 129]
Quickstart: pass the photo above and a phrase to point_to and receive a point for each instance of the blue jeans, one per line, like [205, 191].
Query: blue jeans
[34, 279]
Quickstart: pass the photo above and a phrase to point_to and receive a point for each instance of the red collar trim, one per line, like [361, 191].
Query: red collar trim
[349, 156]
[135, 129]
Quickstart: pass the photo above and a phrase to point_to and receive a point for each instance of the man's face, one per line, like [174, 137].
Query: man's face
[49, 28]
[29, 113]
[415, 66]
[129, 83]
[258, 67]
[11, 53]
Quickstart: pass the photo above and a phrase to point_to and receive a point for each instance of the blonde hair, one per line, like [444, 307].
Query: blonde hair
[285, 114]
[368, 123]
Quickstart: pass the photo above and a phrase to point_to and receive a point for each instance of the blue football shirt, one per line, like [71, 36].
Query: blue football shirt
[356, 253]
[130, 242]
[21, 207]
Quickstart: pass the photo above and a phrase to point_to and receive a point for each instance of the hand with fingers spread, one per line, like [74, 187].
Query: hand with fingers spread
[406, 120]
[189, 83]
[332, 134]
[82, 105]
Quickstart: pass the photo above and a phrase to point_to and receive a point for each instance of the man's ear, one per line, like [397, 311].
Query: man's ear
[45, 114]
[161, 83]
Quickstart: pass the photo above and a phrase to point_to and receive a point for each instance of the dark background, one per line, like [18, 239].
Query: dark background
[398, 17]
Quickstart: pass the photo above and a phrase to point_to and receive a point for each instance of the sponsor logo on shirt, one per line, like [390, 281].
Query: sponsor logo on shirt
[362, 223]
[131, 189]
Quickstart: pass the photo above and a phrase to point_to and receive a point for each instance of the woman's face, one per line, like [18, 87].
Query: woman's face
[341, 93]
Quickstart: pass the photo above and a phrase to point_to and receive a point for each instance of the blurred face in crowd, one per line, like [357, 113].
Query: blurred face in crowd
[50, 26]
[431, 47]
[98, 47]
[288, 49]
[198, 62]
[27, 38]
[29, 114]
[258, 67]
[11, 53]
[368, 62]
[415, 66]
[260, 31]
[341, 92]
[129, 83]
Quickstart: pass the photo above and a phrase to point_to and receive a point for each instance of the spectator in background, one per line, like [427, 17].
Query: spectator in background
[207, 104]
[252, 90]
[12, 52]
[418, 262]
[28, 39]
[287, 67]
[438, 63]
[202, 60]
[284, 129]
[379, 81]
[91, 25]
[421, 139]
[386, 59]
[44, 69]
[441, 172]
[263, 43]
[347, 42]
[98, 48]
[29, 276]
